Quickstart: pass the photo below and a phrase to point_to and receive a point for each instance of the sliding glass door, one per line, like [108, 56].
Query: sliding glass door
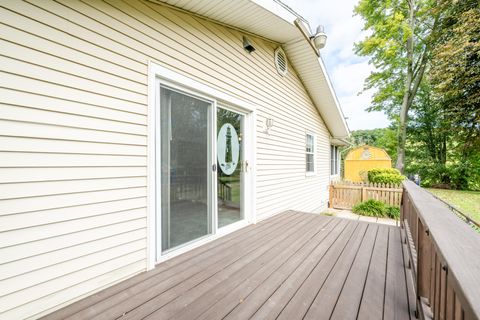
[185, 168]
[231, 166]
[200, 169]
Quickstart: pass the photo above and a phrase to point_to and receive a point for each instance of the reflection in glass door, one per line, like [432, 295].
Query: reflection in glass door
[231, 166]
[185, 168]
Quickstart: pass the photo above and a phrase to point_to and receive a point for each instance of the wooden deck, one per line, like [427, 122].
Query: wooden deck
[292, 266]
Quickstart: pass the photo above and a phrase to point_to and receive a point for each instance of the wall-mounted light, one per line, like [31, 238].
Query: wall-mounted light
[320, 38]
[268, 125]
[247, 45]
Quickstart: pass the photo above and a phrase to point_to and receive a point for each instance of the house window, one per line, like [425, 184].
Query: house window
[310, 153]
[334, 160]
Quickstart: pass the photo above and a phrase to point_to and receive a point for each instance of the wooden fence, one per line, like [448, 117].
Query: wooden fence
[344, 195]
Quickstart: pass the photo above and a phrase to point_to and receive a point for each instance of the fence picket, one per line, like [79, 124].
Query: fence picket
[347, 194]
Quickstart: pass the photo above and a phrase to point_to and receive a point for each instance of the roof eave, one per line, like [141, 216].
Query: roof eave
[309, 65]
[271, 20]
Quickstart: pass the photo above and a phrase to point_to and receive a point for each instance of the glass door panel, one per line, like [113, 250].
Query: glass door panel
[185, 168]
[231, 166]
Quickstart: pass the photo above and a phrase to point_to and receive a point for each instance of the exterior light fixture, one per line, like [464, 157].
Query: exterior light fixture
[320, 38]
[247, 45]
[268, 125]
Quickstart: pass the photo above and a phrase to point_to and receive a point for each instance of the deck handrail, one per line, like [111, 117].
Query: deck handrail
[464, 216]
[445, 254]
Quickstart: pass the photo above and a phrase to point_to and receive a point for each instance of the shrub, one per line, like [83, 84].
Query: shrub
[375, 208]
[387, 178]
[385, 175]
[383, 170]
[371, 208]
[392, 212]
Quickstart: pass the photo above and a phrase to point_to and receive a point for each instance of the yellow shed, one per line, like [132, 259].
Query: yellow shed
[364, 158]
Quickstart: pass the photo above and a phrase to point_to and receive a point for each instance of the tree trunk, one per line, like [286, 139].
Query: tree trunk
[407, 99]
[402, 127]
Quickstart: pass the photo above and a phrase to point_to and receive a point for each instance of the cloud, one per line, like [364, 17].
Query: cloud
[347, 70]
[349, 78]
[354, 109]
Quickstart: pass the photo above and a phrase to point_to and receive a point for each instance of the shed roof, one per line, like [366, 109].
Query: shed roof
[274, 21]
[379, 153]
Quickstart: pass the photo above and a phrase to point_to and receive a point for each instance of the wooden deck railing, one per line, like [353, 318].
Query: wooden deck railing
[445, 257]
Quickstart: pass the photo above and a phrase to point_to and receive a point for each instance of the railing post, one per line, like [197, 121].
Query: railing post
[423, 264]
[330, 196]
[403, 215]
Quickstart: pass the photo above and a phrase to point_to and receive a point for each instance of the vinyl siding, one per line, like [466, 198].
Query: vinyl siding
[73, 137]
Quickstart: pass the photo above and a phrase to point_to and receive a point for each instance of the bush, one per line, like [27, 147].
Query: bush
[385, 175]
[393, 212]
[375, 208]
[387, 178]
[383, 170]
[371, 208]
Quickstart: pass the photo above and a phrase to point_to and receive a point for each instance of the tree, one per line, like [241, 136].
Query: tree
[428, 134]
[455, 70]
[402, 35]
[384, 138]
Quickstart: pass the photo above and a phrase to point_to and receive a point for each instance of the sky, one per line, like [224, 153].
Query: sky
[347, 71]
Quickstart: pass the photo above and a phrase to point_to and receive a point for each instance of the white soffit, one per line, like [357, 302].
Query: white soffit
[270, 20]
[264, 18]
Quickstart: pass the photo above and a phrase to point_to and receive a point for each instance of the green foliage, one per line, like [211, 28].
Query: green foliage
[371, 208]
[375, 208]
[399, 44]
[440, 150]
[455, 71]
[392, 212]
[436, 46]
[385, 175]
[387, 178]
[374, 172]
[384, 138]
[387, 43]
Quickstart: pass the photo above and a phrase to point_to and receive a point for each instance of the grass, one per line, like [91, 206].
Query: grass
[466, 201]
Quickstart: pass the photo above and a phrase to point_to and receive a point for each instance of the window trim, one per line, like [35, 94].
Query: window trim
[337, 161]
[314, 153]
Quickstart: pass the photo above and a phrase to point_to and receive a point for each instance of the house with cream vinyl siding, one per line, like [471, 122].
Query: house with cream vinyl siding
[132, 131]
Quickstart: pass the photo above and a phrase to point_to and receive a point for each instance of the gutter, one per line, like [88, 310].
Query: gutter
[306, 34]
[298, 23]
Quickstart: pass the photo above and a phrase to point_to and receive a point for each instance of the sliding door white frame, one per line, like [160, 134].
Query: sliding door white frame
[159, 75]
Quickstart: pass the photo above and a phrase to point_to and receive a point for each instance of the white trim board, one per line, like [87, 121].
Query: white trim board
[156, 74]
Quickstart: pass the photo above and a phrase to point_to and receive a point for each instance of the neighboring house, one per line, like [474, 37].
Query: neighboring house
[361, 159]
[132, 131]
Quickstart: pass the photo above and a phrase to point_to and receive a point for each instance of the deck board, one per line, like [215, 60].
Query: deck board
[277, 287]
[169, 288]
[396, 297]
[325, 299]
[349, 300]
[371, 306]
[291, 266]
[104, 299]
[195, 300]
